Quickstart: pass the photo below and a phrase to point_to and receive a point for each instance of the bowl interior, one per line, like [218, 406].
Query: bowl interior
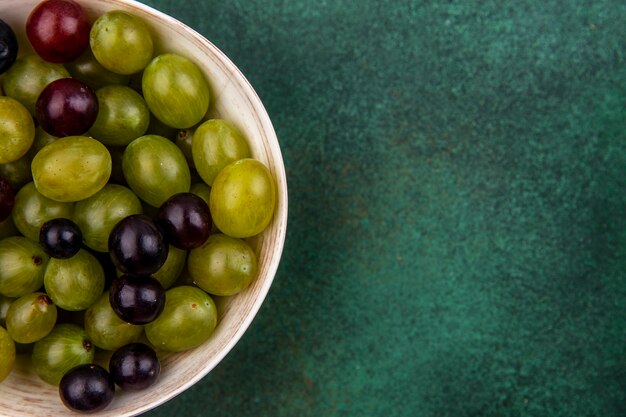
[23, 393]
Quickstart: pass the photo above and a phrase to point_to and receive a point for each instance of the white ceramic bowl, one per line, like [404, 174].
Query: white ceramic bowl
[23, 393]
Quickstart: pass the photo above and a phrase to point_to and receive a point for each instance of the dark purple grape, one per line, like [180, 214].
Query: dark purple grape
[7, 199]
[8, 46]
[87, 388]
[137, 245]
[134, 366]
[185, 220]
[58, 30]
[66, 107]
[60, 238]
[137, 299]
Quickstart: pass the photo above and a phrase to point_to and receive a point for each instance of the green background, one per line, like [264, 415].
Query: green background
[457, 236]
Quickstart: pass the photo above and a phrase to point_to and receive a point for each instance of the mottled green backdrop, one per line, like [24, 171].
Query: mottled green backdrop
[457, 213]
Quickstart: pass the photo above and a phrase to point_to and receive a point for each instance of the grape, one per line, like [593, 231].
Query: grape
[66, 107]
[137, 246]
[121, 42]
[27, 78]
[97, 215]
[7, 199]
[155, 169]
[88, 70]
[42, 138]
[5, 303]
[159, 128]
[188, 320]
[76, 283]
[32, 209]
[72, 168]
[217, 143]
[175, 90]
[17, 130]
[134, 366]
[243, 198]
[117, 175]
[184, 140]
[58, 30]
[8, 48]
[137, 299]
[172, 268]
[7, 354]
[201, 190]
[223, 266]
[87, 388]
[185, 220]
[65, 347]
[31, 317]
[17, 172]
[110, 271]
[60, 238]
[22, 265]
[122, 116]
[7, 228]
[105, 329]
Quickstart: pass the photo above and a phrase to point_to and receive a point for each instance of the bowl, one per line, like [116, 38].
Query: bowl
[234, 99]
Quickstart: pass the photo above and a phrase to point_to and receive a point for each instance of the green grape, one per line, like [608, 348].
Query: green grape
[155, 169]
[183, 140]
[117, 175]
[17, 172]
[5, 303]
[121, 42]
[122, 116]
[201, 190]
[7, 354]
[97, 215]
[105, 329]
[31, 317]
[32, 209]
[74, 283]
[184, 279]
[223, 265]
[65, 347]
[175, 90]
[172, 268]
[188, 320]
[7, 228]
[243, 198]
[17, 130]
[217, 143]
[22, 265]
[159, 128]
[88, 70]
[42, 138]
[72, 168]
[28, 76]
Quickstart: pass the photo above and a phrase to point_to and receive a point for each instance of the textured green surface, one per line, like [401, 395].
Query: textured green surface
[457, 232]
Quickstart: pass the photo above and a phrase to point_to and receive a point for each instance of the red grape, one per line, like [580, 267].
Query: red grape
[67, 107]
[58, 30]
[185, 220]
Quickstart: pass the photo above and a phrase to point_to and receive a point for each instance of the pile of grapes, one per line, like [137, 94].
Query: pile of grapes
[123, 207]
